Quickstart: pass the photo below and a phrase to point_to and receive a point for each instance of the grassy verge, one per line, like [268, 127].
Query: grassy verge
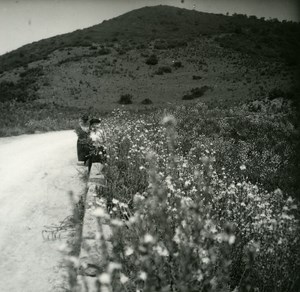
[27, 118]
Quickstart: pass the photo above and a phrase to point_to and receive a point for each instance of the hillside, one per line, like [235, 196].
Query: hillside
[153, 56]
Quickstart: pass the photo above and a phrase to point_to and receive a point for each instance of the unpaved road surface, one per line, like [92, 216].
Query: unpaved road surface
[36, 174]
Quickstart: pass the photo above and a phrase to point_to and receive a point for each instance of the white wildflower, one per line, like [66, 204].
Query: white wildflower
[169, 120]
[104, 278]
[187, 183]
[123, 278]
[200, 276]
[100, 212]
[250, 196]
[243, 167]
[138, 197]
[161, 250]
[169, 183]
[143, 276]
[115, 201]
[176, 237]
[117, 222]
[231, 239]
[148, 238]
[128, 251]
[113, 266]
[185, 164]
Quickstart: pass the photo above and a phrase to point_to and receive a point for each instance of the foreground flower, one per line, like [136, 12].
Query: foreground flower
[123, 279]
[104, 278]
[169, 120]
[100, 212]
[243, 167]
[148, 238]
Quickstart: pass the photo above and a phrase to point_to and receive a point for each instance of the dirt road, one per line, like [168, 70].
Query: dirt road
[36, 173]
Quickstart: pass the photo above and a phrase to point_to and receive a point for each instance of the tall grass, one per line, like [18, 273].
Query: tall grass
[26, 118]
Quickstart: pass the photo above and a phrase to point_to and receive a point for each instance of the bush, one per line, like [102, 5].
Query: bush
[32, 73]
[93, 47]
[160, 45]
[163, 69]
[196, 77]
[147, 101]
[23, 90]
[152, 60]
[196, 92]
[103, 51]
[276, 93]
[176, 44]
[177, 65]
[125, 99]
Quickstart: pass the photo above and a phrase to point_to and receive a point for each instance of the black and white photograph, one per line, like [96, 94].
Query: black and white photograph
[149, 146]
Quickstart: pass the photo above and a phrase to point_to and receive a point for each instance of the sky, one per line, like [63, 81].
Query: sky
[26, 21]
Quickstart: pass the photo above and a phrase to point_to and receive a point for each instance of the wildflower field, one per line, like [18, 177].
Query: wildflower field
[201, 198]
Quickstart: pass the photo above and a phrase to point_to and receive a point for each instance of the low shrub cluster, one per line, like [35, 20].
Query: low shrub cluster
[169, 44]
[197, 77]
[152, 60]
[177, 64]
[147, 101]
[163, 69]
[279, 93]
[103, 51]
[125, 99]
[196, 92]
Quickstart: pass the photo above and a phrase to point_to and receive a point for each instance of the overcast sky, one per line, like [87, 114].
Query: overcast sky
[25, 21]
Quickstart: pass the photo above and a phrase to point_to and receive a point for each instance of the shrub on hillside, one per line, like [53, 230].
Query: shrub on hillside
[152, 60]
[276, 93]
[125, 99]
[32, 72]
[93, 47]
[147, 101]
[177, 65]
[103, 51]
[23, 90]
[197, 77]
[196, 92]
[160, 45]
[163, 69]
[176, 44]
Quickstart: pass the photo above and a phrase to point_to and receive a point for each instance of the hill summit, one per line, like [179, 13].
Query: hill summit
[167, 23]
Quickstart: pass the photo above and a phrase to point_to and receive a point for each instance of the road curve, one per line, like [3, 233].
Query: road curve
[36, 174]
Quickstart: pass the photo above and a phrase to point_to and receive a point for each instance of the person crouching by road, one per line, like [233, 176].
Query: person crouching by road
[97, 143]
[82, 131]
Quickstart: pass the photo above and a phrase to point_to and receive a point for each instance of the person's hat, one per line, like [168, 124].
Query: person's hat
[95, 121]
[85, 117]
